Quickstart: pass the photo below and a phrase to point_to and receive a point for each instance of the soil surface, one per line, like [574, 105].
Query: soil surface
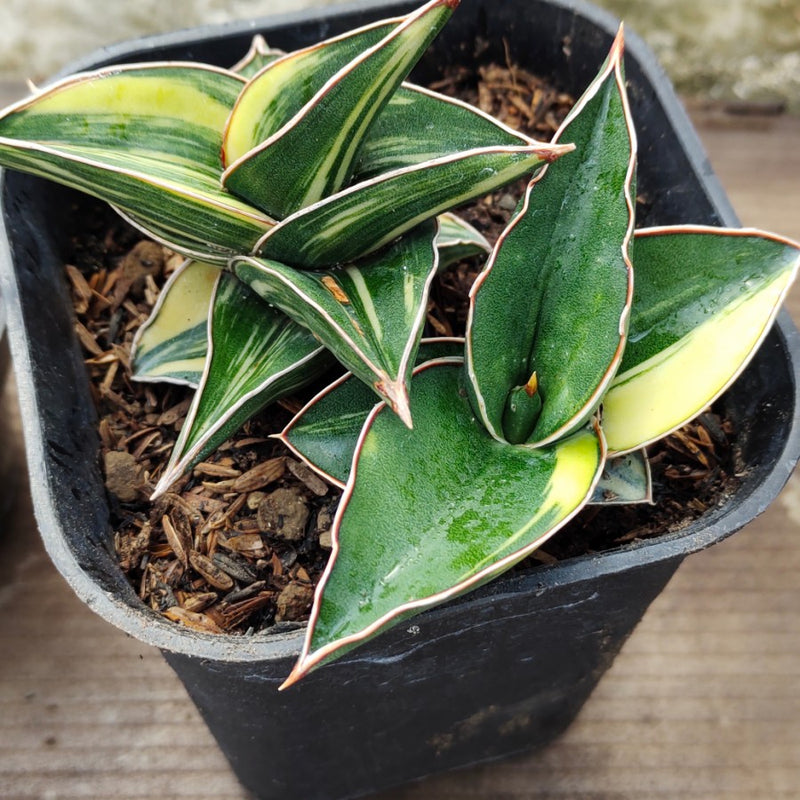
[239, 544]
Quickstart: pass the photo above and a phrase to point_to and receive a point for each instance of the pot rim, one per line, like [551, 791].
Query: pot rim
[151, 628]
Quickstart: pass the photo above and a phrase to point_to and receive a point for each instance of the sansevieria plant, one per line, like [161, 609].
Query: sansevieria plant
[311, 194]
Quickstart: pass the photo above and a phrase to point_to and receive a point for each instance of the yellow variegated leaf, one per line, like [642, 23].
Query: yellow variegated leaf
[704, 300]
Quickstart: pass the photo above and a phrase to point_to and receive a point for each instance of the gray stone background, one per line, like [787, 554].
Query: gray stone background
[727, 50]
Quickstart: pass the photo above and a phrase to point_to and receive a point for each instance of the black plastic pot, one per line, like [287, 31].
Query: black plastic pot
[502, 670]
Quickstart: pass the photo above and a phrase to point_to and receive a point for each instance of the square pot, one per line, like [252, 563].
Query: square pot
[503, 669]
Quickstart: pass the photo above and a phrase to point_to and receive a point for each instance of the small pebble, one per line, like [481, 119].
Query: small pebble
[283, 514]
[123, 478]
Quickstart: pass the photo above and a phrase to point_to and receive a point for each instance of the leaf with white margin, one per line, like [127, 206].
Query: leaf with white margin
[255, 356]
[420, 523]
[458, 240]
[145, 138]
[369, 314]
[275, 95]
[171, 345]
[324, 433]
[314, 154]
[705, 298]
[440, 125]
[259, 55]
[555, 296]
[368, 215]
[626, 479]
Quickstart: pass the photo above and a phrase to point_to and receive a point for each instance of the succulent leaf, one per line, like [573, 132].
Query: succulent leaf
[313, 155]
[364, 217]
[277, 94]
[324, 433]
[172, 345]
[369, 314]
[259, 55]
[458, 240]
[441, 125]
[146, 139]
[255, 355]
[419, 524]
[704, 300]
[555, 295]
[625, 479]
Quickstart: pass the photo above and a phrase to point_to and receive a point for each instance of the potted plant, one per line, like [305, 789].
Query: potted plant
[507, 666]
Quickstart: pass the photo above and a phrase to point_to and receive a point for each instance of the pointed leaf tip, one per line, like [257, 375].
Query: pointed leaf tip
[400, 403]
[618, 46]
[555, 151]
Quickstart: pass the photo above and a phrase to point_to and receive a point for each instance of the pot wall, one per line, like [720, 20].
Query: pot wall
[481, 681]
[498, 671]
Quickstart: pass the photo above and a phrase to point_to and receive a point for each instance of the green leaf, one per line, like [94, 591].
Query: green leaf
[420, 523]
[368, 215]
[277, 94]
[705, 298]
[458, 240]
[313, 155]
[555, 295]
[259, 55]
[145, 138]
[256, 355]
[626, 479]
[441, 126]
[172, 345]
[324, 433]
[368, 314]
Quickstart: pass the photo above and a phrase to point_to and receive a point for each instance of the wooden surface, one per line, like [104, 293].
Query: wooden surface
[703, 702]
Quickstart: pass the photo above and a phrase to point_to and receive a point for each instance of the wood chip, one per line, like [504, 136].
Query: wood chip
[261, 475]
[88, 342]
[237, 568]
[177, 412]
[191, 619]
[81, 291]
[191, 511]
[177, 539]
[237, 613]
[216, 470]
[305, 474]
[197, 601]
[249, 544]
[218, 578]
[132, 546]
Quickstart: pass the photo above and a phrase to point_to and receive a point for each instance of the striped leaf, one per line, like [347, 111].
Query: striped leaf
[277, 94]
[145, 138]
[458, 240]
[441, 126]
[705, 298]
[256, 356]
[626, 479]
[449, 519]
[313, 155]
[259, 55]
[368, 215]
[369, 315]
[554, 298]
[172, 345]
[324, 433]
